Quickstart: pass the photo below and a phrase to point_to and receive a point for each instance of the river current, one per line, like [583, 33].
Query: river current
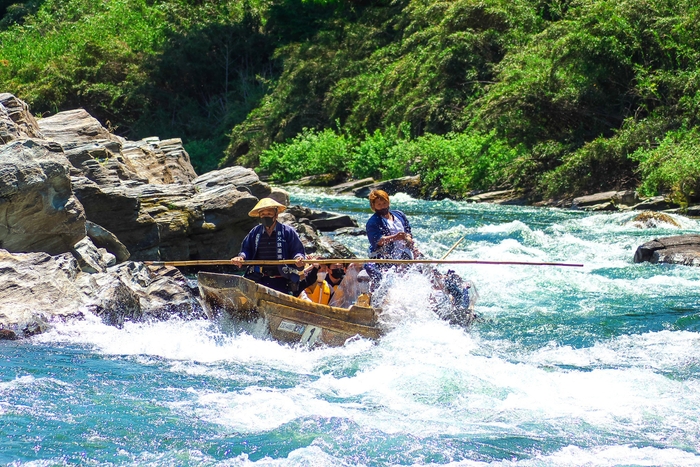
[594, 366]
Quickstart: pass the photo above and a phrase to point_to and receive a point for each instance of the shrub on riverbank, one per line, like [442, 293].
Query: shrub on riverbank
[455, 163]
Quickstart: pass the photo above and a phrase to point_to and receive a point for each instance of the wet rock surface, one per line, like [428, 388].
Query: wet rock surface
[37, 289]
[679, 249]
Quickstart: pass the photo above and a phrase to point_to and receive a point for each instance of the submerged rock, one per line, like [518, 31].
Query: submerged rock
[7, 335]
[652, 219]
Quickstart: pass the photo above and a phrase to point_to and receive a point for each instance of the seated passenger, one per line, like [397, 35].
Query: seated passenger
[328, 279]
[349, 289]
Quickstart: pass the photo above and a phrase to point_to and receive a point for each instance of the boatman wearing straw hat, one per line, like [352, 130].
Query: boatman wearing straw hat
[271, 241]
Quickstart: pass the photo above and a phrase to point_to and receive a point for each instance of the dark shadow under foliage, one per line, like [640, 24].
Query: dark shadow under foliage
[205, 81]
[14, 12]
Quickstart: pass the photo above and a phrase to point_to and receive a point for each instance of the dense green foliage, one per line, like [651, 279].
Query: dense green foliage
[172, 68]
[553, 97]
[453, 164]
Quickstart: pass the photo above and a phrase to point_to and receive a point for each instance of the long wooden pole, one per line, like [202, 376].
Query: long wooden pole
[219, 262]
[453, 247]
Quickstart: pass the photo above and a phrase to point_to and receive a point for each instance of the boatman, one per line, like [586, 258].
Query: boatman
[272, 241]
[388, 230]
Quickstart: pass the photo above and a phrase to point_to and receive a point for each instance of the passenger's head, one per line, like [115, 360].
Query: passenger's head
[337, 270]
[379, 201]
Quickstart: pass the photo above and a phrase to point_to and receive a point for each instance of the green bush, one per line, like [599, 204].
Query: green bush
[604, 163]
[172, 68]
[673, 167]
[309, 153]
[378, 155]
[459, 163]
[551, 96]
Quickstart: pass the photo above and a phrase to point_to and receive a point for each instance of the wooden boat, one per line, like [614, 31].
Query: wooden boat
[290, 319]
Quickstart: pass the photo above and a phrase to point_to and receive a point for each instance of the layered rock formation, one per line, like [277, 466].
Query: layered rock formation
[38, 211]
[147, 194]
[77, 202]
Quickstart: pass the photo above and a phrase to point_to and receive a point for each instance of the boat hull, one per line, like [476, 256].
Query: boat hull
[289, 319]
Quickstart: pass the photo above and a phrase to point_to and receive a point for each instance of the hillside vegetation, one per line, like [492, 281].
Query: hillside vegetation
[552, 97]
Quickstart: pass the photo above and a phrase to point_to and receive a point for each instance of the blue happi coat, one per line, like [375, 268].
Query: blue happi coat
[289, 246]
[377, 227]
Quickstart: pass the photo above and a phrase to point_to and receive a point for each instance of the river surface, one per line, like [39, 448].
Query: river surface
[595, 366]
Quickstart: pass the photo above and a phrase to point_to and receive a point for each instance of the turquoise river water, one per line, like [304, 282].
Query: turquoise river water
[594, 366]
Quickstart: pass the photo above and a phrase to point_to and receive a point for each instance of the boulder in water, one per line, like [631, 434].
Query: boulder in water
[37, 289]
[409, 185]
[679, 249]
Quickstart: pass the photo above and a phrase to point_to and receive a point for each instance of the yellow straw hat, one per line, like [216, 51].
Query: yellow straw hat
[266, 203]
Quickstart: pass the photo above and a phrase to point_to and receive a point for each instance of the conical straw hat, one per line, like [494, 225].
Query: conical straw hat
[266, 203]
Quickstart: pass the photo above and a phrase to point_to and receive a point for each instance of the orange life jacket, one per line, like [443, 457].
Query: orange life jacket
[320, 292]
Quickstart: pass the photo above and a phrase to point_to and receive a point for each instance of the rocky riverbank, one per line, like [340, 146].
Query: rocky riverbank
[81, 208]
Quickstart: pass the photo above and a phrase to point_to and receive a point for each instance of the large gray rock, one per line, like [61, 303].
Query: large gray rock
[37, 289]
[679, 249]
[108, 159]
[607, 201]
[145, 193]
[134, 292]
[159, 162]
[75, 127]
[119, 210]
[239, 178]
[15, 120]
[38, 211]
[204, 220]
